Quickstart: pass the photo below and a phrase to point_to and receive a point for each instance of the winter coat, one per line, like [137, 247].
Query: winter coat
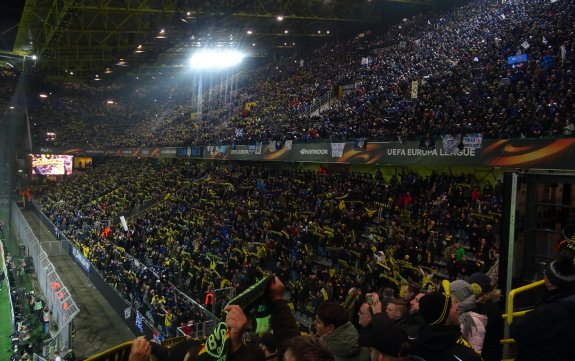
[548, 332]
[476, 335]
[343, 343]
[442, 343]
[488, 305]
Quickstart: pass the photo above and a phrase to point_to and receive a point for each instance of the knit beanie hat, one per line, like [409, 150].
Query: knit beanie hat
[482, 280]
[561, 272]
[460, 290]
[434, 308]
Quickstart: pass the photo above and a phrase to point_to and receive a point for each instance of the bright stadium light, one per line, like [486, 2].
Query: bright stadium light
[211, 59]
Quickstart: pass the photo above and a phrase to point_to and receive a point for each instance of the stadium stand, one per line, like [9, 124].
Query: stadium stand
[499, 69]
[207, 226]
[457, 58]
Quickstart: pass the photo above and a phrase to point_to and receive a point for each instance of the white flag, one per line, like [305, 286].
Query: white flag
[337, 149]
[124, 224]
[525, 45]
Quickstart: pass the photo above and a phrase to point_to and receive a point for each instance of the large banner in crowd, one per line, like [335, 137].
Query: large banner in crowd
[473, 152]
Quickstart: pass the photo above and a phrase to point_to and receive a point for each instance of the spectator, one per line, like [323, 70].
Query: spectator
[440, 339]
[388, 341]
[408, 292]
[414, 321]
[341, 338]
[548, 331]
[307, 348]
[396, 311]
[488, 305]
[473, 324]
[268, 344]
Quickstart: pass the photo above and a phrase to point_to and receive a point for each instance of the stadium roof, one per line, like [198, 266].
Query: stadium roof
[77, 39]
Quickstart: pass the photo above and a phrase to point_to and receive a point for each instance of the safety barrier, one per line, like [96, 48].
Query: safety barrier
[511, 314]
[117, 353]
[56, 295]
[511, 299]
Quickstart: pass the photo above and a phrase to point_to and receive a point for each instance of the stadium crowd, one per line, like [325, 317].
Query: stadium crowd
[199, 227]
[459, 58]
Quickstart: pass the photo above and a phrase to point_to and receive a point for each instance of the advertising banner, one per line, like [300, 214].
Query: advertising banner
[472, 150]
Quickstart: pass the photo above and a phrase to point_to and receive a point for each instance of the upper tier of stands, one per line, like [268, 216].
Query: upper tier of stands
[459, 59]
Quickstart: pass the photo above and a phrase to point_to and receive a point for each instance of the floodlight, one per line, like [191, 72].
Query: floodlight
[216, 59]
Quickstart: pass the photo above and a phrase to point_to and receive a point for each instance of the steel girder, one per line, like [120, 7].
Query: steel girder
[85, 37]
[77, 39]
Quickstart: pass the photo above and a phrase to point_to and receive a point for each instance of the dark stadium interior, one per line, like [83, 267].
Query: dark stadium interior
[359, 148]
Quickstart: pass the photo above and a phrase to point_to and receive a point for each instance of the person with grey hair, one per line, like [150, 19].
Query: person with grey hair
[472, 324]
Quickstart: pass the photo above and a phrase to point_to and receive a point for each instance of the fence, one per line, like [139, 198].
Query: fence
[58, 299]
[127, 311]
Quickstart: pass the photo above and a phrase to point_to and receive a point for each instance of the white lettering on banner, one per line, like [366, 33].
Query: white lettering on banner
[416, 152]
[240, 151]
[313, 151]
[46, 150]
[168, 151]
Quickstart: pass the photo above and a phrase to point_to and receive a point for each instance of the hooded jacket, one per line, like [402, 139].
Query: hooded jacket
[548, 332]
[443, 343]
[476, 335]
[343, 342]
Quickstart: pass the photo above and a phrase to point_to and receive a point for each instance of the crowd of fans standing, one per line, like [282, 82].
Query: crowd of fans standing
[200, 227]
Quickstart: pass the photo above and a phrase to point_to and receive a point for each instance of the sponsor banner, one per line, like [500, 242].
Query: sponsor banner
[473, 140]
[81, 260]
[516, 153]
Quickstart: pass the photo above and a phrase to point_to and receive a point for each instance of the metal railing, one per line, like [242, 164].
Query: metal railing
[56, 295]
[512, 314]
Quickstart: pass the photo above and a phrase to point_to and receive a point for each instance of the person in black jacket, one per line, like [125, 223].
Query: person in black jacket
[440, 338]
[548, 332]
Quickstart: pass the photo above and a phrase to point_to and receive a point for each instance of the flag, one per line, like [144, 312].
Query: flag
[544, 40]
[451, 143]
[525, 45]
[337, 149]
[414, 89]
[140, 321]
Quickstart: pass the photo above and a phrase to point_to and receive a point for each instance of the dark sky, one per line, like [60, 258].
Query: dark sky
[10, 13]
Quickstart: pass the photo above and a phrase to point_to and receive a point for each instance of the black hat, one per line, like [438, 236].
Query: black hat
[269, 341]
[482, 280]
[387, 338]
[434, 308]
[561, 272]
